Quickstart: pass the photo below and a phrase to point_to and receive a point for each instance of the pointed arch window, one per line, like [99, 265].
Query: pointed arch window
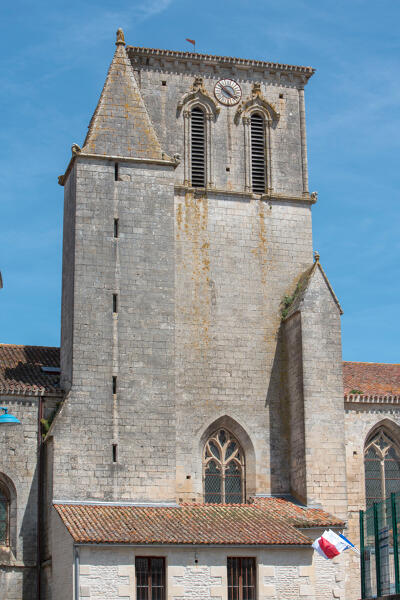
[223, 469]
[382, 467]
[4, 515]
[198, 141]
[258, 153]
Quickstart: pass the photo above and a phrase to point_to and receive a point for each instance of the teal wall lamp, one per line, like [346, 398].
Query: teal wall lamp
[7, 418]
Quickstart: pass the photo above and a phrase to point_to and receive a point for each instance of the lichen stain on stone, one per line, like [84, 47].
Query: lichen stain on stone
[179, 220]
[195, 305]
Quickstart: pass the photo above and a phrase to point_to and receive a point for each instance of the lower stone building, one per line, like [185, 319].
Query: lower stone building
[197, 429]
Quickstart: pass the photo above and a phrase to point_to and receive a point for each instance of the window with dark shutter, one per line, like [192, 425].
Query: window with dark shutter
[258, 166]
[241, 578]
[150, 578]
[198, 147]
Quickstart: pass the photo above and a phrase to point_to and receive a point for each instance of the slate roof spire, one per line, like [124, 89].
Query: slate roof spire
[120, 125]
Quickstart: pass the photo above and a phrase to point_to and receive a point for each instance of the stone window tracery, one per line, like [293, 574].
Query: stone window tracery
[4, 515]
[223, 469]
[382, 468]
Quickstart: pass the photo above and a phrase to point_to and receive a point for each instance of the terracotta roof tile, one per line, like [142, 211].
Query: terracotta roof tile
[297, 515]
[369, 379]
[248, 524]
[21, 373]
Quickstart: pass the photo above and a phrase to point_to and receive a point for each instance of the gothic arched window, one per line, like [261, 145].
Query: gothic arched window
[4, 516]
[198, 145]
[382, 468]
[258, 158]
[223, 469]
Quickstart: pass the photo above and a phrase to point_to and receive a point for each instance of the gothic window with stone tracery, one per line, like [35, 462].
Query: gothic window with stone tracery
[4, 516]
[382, 468]
[223, 469]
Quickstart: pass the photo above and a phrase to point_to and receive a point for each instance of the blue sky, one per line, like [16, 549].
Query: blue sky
[53, 61]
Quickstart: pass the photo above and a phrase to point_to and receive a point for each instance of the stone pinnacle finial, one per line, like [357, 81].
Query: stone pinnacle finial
[120, 37]
[316, 256]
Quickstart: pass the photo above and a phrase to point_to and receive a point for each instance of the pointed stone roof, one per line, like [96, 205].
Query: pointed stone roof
[302, 286]
[120, 125]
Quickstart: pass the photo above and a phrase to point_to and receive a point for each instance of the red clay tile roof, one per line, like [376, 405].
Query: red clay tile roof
[369, 379]
[21, 373]
[296, 515]
[249, 524]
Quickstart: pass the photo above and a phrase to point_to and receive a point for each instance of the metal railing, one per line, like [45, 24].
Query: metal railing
[379, 529]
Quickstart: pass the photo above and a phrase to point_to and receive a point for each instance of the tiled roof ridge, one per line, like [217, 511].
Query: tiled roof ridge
[243, 61]
[365, 362]
[3, 345]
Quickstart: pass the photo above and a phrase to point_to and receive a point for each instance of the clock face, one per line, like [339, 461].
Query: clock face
[227, 92]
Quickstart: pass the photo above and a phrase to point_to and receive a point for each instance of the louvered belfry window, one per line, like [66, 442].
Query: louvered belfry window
[241, 578]
[198, 147]
[258, 164]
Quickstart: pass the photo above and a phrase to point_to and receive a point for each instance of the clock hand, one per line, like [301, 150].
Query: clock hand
[227, 91]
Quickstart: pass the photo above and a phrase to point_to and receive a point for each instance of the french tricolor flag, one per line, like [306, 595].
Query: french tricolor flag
[331, 544]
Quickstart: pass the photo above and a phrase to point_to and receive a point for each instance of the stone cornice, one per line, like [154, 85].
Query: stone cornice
[77, 153]
[174, 55]
[202, 192]
[372, 399]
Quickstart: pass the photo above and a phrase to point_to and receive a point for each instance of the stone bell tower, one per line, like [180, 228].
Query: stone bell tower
[187, 221]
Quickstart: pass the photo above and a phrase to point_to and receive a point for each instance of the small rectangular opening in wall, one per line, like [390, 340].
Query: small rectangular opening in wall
[164, 83]
[114, 384]
[115, 453]
[281, 96]
[116, 226]
[228, 169]
[116, 171]
[115, 303]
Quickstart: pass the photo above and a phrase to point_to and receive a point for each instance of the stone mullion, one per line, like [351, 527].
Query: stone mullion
[269, 155]
[187, 125]
[247, 154]
[208, 162]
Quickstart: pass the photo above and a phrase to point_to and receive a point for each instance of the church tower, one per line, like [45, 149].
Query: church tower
[191, 302]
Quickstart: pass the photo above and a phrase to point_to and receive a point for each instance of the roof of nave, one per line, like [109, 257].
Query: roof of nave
[265, 522]
[369, 379]
[213, 59]
[21, 370]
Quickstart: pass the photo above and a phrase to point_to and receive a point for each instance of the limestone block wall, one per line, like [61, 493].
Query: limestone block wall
[227, 129]
[323, 398]
[295, 405]
[360, 419]
[18, 469]
[135, 345]
[62, 582]
[201, 573]
[235, 260]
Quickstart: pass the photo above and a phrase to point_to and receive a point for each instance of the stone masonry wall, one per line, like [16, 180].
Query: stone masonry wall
[323, 398]
[227, 141]
[295, 404]
[200, 573]
[136, 345]
[360, 419]
[18, 470]
[235, 260]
